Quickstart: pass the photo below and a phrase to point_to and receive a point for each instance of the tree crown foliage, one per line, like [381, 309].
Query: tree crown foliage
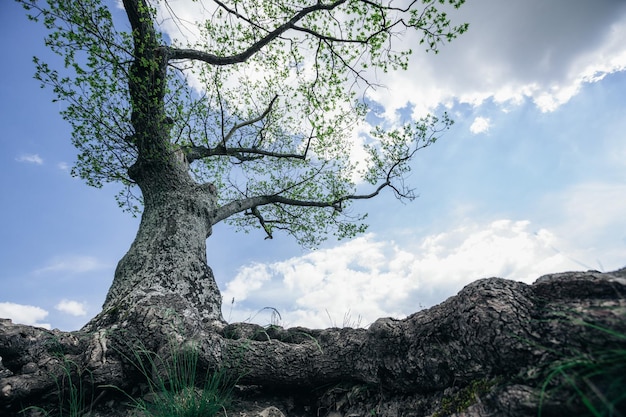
[262, 97]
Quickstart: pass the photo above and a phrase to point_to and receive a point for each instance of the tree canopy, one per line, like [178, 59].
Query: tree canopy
[259, 99]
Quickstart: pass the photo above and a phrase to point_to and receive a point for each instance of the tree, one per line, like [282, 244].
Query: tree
[253, 125]
[249, 121]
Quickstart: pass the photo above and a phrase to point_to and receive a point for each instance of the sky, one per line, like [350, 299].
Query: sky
[530, 180]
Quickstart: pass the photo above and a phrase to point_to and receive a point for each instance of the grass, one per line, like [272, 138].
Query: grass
[348, 322]
[597, 378]
[178, 388]
[73, 397]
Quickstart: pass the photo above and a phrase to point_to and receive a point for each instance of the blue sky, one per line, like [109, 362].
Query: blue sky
[530, 180]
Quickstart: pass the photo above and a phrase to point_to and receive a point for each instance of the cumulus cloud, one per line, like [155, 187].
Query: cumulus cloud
[480, 125]
[368, 278]
[71, 307]
[247, 281]
[30, 158]
[74, 264]
[24, 314]
[514, 51]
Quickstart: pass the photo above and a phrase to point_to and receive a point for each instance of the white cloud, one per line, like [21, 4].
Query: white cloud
[30, 158]
[24, 314]
[480, 125]
[63, 166]
[74, 308]
[514, 51]
[75, 264]
[249, 279]
[368, 278]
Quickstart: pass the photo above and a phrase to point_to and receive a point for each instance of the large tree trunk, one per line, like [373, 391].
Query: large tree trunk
[500, 332]
[165, 267]
[166, 264]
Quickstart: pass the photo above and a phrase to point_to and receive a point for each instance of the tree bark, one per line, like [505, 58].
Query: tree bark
[167, 260]
[492, 329]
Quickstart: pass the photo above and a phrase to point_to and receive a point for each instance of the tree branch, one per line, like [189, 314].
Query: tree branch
[193, 153]
[250, 203]
[249, 122]
[254, 211]
[343, 40]
[212, 59]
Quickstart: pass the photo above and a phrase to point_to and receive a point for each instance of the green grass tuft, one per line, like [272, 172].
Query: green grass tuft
[178, 388]
[598, 378]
